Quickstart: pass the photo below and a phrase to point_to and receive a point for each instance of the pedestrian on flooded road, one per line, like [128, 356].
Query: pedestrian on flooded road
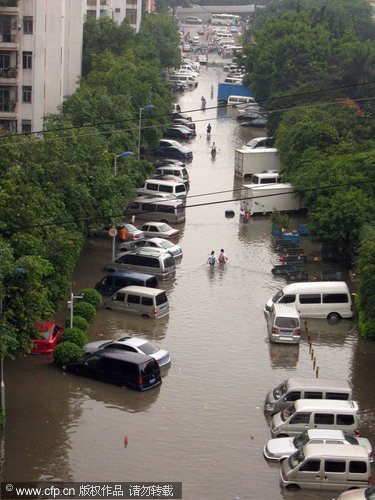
[123, 233]
[222, 257]
[211, 259]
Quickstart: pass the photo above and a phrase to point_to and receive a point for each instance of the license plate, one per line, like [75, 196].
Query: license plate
[152, 380]
[286, 332]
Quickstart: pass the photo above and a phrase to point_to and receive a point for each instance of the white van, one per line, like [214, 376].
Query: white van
[283, 324]
[266, 178]
[156, 208]
[295, 388]
[235, 100]
[320, 299]
[315, 413]
[145, 260]
[326, 467]
[182, 78]
[168, 186]
[140, 300]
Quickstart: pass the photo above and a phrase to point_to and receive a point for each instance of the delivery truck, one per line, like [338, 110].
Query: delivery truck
[262, 199]
[225, 90]
[254, 161]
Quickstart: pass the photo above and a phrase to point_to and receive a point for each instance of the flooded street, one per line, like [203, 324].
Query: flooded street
[204, 425]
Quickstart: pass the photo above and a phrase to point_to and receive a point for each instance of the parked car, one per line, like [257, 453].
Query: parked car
[159, 229]
[127, 369]
[174, 250]
[132, 233]
[131, 344]
[179, 131]
[50, 334]
[260, 142]
[186, 123]
[171, 177]
[280, 448]
[168, 161]
[175, 151]
[358, 494]
[255, 122]
[184, 116]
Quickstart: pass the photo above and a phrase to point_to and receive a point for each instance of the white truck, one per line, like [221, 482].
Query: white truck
[261, 199]
[254, 161]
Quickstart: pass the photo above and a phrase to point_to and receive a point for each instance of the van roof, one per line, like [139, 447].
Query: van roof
[132, 274]
[325, 404]
[257, 151]
[321, 286]
[317, 383]
[286, 310]
[119, 354]
[164, 182]
[151, 292]
[335, 450]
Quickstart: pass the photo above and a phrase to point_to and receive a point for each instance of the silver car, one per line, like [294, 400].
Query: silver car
[174, 250]
[280, 448]
[132, 344]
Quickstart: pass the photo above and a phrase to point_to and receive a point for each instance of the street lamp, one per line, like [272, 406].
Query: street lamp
[124, 153]
[71, 304]
[148, 106]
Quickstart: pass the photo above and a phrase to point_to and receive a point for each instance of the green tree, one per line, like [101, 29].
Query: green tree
[366, 267]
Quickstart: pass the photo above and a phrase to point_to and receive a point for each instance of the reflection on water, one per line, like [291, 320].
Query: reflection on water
[283, 356]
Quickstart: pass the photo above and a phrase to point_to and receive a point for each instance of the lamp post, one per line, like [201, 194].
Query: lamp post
[71, 305]
[148, 106]
[124, 153]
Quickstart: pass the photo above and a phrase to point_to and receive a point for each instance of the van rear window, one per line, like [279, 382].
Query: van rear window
[149, 368]
[169, 262]
[286, 322]
[335, 298]
[161, 299]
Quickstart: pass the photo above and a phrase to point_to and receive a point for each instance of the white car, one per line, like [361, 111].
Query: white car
[174, 250]
[159, 229]
[358, 494]
[132, 344]
[280, 448]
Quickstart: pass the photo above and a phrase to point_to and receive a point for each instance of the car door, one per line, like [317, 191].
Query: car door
[132, 303]
[153, 230]
[117, 302]
[309, 474]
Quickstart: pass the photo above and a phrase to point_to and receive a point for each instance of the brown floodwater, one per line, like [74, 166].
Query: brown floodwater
[204, 425]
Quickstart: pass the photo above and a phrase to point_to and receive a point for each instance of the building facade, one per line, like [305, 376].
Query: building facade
[40, 59]
[118, 10]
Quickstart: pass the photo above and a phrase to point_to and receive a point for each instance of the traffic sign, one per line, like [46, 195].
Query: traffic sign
[112, 232]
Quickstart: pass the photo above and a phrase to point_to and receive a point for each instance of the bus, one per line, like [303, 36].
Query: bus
[225, 19]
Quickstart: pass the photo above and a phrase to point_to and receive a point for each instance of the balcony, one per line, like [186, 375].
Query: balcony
[8, 76]
[9, 41]
[9, 6]
[8, 107]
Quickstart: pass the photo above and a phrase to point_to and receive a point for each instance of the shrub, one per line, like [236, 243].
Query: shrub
[78, 322]
[91, 296]
[280, 220]
[84, 309]
[66, 352]
[75, 336]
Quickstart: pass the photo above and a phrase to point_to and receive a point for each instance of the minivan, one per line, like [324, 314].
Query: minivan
[315, 413]
[283, 324]
[320, 299]
[266, 178]
[152, 186]
[295, 388]
[119, 279]
[173, 170]
[146, 260]
[326, 467]
[140, 300]
[127, 369]
[234, 100]
[157, 209]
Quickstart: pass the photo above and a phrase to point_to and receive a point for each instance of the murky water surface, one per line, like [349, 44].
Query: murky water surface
[204, 425]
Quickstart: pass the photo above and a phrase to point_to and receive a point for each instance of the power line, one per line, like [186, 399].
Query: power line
[136, 119]
[117, 216]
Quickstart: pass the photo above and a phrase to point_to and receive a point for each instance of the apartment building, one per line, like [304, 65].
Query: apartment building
[40, 59]
[118, 10]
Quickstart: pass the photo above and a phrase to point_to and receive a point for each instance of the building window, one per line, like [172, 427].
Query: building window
[27, 60]
[28, 25]
[131, 16]
[26, 93]
[26, 126]
[91, 2]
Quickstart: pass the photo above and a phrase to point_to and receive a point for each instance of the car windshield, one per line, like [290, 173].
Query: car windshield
[296, 459]
[148, 348]
[164, 228]
[350, 439]
[287, 413]
[166, 244]
[279, 390]
[277, 296]
[370, 493]
[301, 440]
[130, 227]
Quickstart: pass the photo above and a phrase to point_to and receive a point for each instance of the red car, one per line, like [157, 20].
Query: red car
[51, 333]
